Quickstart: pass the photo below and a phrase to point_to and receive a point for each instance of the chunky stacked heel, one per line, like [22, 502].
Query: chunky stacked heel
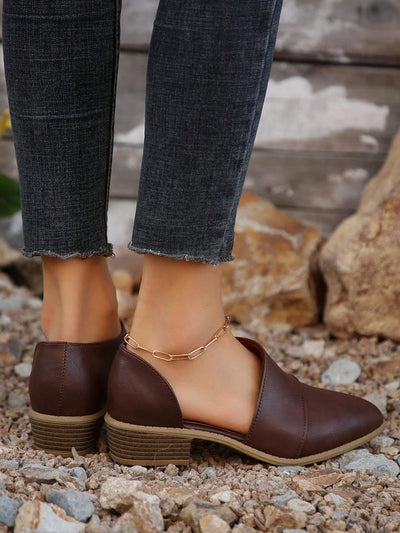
[59, 434]
[146, 445]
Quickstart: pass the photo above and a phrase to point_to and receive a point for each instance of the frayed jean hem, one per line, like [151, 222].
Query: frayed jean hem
[105, 251]
[187, 257]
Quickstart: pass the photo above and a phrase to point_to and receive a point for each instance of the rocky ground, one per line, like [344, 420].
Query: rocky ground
[220, 491]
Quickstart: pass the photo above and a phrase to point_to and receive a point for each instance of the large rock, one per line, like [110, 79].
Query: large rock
[360, 262]
[274, 280]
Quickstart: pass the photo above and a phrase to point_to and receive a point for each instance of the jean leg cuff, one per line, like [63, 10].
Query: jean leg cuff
[188, 257]
[106, 251]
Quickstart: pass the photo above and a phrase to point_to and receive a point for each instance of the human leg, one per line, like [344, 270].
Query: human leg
[207, 76]
[208, 69]
[61, 62]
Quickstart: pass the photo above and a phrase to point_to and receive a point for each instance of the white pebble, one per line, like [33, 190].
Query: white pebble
[393, 385]
[300, 505]
[341, 372]
[314, 347]
[23, 370]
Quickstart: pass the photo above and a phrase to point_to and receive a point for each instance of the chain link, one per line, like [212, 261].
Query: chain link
[165, 356]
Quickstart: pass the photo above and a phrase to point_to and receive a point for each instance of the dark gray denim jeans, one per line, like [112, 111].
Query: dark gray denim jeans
[207, 75]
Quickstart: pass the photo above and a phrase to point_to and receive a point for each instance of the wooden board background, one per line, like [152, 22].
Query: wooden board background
[344, 31]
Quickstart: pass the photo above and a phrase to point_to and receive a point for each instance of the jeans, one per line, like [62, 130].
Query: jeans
[207, 73]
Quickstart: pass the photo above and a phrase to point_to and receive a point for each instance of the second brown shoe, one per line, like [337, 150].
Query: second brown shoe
[293, 423]
[67, 390]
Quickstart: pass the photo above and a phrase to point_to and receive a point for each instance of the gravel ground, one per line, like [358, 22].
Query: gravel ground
[220, 491]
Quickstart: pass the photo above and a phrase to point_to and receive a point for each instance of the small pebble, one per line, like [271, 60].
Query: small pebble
[314, 347]
[282, 499]
[224, 496]
[171, 470]
[296, 352]
[41, 517]
[394, 385]
[296, 504]
[79, 473]
[76, 504]
[337, 500]
[8, 464]
[341, 372]
[291, 469]
[382, 441]
[5, 320]
[138, 470]
[376, 464]
[15, 301]
[15, 400]
[213, 524]
[8, 510]
[23, 370]
[210, 471]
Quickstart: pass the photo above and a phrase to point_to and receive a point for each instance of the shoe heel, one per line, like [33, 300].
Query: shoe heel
[145, 445]
[59, 434]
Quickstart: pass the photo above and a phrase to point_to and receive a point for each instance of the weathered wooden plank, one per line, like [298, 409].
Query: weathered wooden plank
[310, 179]
[322, 196]
[307, 107]
[364, 31]
[335, 108]
[315, 181]
[321, 190]
[288, 179]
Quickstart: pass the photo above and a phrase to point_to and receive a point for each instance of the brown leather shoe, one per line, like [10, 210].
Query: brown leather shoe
[67, 389]
[293, 424]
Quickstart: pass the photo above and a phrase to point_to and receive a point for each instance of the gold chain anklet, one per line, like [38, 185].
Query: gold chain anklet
[165, 356]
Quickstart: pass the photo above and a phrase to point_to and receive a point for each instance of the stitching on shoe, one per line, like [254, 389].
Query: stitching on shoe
[62, 384]
[305, 426]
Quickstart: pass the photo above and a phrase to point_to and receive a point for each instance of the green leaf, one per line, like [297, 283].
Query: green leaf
[9, 196]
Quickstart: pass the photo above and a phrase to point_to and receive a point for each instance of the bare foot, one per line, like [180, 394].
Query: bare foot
[220, 387]
[79, 301]
[179, 308]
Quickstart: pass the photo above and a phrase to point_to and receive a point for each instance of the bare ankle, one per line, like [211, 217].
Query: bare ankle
[179, 304]
[79, 303]
[179, 308]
